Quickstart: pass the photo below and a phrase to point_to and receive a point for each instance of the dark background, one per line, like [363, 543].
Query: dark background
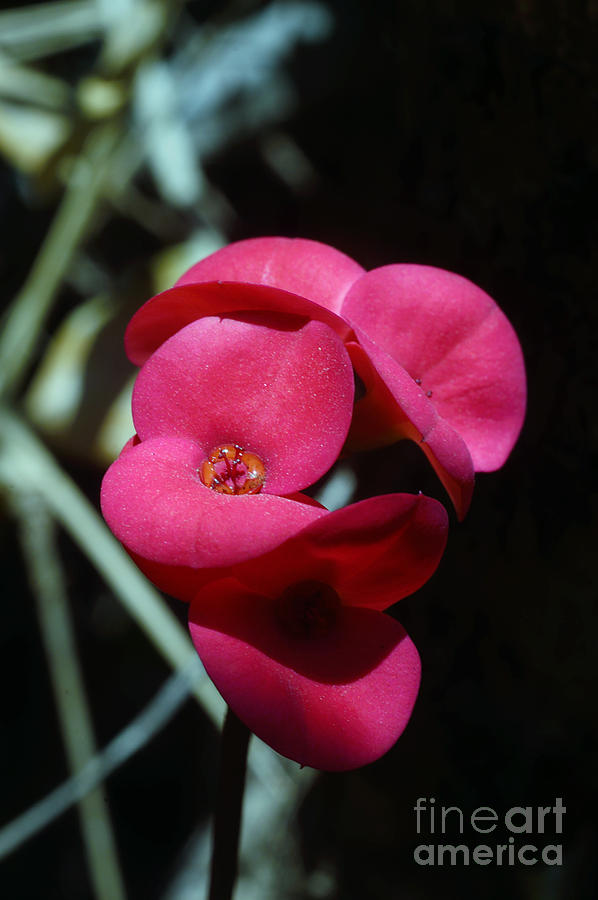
[459, 135]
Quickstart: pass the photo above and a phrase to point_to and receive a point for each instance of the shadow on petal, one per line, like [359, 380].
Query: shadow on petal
[335, 702]
[358, 641]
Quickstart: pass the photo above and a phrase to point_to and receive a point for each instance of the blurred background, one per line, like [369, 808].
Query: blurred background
[137, 136]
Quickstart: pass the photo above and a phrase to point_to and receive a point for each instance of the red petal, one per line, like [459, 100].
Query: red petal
[168, 312]
[154, 502]
[307, 268]
[450, 334]
[283, 394]
[334, 702]
[395, 407]
[183, 582]
[373, 553]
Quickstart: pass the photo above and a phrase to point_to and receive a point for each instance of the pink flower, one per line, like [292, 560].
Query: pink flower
[233, 417]
[235, 414]
[297, 641]
[440, 361]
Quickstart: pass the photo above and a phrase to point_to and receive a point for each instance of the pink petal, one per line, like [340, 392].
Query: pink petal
[283, 394]
[450, 334]
[168, 312]
[395, 407]
[334, 702]
[307, 268]
[373, 553]
[154, 502]
[183, 582]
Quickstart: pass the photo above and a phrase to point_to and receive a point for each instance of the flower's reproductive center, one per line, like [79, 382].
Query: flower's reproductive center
[230, 469]
[308, 609]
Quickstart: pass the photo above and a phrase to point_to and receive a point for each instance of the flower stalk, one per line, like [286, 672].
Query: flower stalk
[229, 806]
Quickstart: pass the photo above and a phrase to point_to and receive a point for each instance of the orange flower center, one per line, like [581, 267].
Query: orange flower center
[230, 469]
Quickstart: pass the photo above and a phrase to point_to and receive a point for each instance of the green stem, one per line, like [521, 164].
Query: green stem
[26, 462]
[28, 312]
[38, 540]
[229, 805]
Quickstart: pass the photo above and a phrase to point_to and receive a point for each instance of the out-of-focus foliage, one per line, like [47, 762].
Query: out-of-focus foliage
[161, 94]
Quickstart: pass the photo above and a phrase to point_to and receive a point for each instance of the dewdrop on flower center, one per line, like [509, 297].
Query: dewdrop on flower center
[230, 469]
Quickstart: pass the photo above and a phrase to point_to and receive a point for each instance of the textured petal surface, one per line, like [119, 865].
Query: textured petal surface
[334, 702]
[183, 582]
[450, 334]
[154, 502]
[373, 553]
[395, 407]
[168, 312]
[283, 394]
[303, 267]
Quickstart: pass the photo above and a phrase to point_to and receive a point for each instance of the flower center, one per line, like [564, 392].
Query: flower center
[308, 609]
[230, 469]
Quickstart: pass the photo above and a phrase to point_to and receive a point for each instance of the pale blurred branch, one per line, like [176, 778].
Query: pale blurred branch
[29, 310]
[158, 712]
[37, 532]
[25, 462]
[34, 31]
[30, 86]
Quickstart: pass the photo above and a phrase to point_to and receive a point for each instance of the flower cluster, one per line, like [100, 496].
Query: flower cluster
[245, 398]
